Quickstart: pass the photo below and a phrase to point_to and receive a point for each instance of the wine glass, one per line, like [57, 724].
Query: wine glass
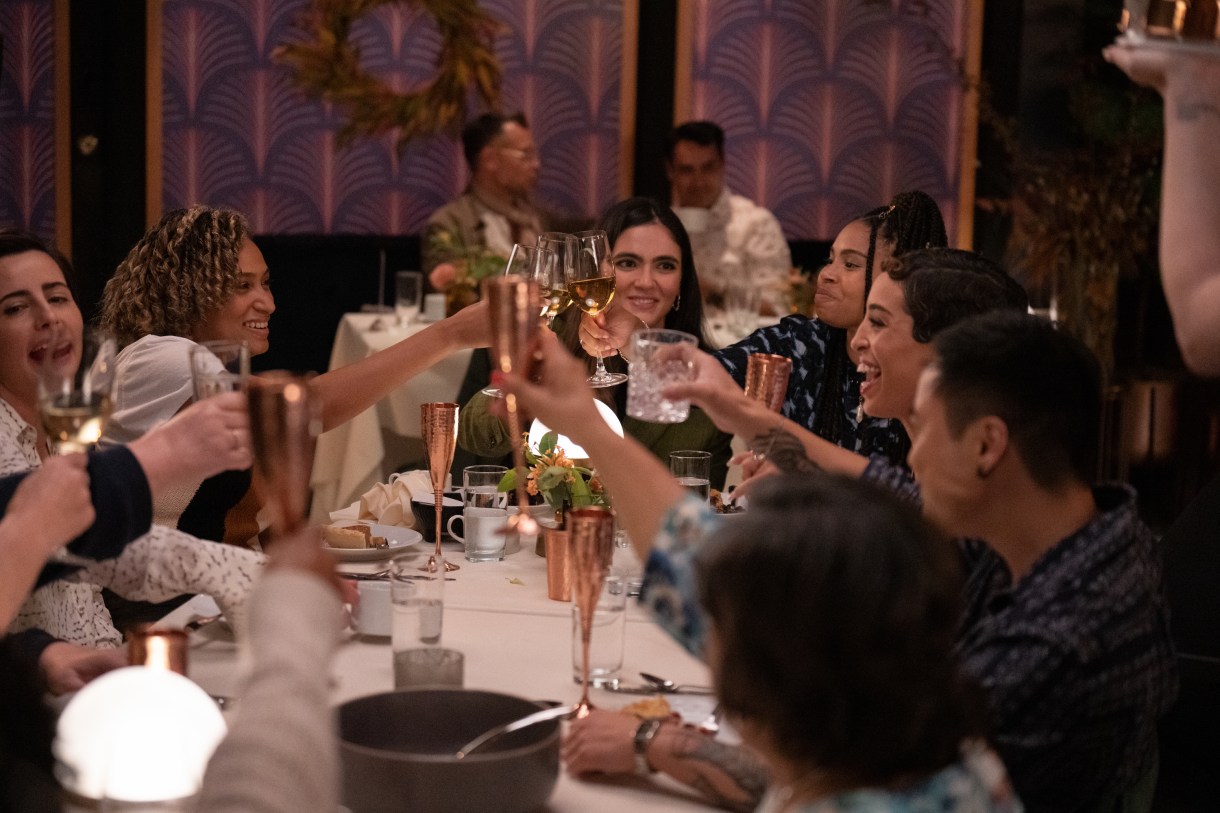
[537, 263]
[219, 366]
[513, 305]
[553, 281]
[438, 422]
[284, 424]
[75, 399]
[591, 549]
[591, 286]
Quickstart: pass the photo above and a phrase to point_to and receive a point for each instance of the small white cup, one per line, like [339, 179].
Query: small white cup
[483, 536]
[372, 614]
[434, 307]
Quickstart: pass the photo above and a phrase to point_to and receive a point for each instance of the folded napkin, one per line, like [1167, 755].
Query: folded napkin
[388, 503]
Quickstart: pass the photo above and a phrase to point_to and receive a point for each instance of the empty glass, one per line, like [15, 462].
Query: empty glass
[659, 358]
[218, 367]
[408, 288]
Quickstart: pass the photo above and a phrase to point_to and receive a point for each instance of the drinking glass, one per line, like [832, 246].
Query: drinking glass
[284, 424]
[481, 487]
[417, 621]
[659, 358]
[693, 469]
[606, 644]
[591, 549]
[533, 263]
[554, 285]
[408, 288]
[438, 422]
[591, 286]
[218, 367]
[767, 379]
[76, 391]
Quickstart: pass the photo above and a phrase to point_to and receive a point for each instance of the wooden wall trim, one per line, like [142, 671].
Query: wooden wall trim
[152, 118]
[627, 97]
[970, 125]
[63, 127]
[683, 54]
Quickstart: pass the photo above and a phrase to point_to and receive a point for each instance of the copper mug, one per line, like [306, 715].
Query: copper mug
[767, 379]
[558, 570]
[158, 647]
[1192, 20]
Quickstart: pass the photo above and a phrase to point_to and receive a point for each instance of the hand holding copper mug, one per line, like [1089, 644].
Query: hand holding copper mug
[284, 424]
[767, 379]
[438, 422]
[513, 302]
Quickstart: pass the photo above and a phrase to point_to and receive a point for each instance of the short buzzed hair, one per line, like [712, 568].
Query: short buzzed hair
[703, 133]
[482, 131]
[1042, 382]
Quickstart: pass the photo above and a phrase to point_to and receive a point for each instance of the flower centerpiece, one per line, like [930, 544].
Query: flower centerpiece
[556, 478]
[465, 267]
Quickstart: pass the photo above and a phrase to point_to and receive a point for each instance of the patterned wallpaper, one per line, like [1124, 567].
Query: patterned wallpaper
[27, 116]
[831, 107]
[237, 133]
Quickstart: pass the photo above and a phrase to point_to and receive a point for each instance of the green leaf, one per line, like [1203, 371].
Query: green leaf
[547, 444]
[508, 482]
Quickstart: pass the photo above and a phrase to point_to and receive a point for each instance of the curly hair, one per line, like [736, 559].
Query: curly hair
[183, 269]
[911, 221]
[835, 609]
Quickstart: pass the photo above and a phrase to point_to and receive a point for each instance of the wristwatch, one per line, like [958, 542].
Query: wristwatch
[643, 736]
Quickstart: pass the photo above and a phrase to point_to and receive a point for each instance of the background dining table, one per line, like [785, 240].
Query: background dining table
[515, 640]
[353, 457]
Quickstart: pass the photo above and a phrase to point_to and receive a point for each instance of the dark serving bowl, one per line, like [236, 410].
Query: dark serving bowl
[398, 753]
[425, 514]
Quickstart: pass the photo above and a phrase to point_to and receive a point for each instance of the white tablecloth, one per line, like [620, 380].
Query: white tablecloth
[351, 458]
[516, 641]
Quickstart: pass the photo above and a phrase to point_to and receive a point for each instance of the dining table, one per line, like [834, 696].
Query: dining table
[351, 458]
[515, 640]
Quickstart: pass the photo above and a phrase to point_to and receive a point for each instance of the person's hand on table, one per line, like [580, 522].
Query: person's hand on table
[52, 505]
[603, 742]
[68, 667]
[607, 333]
[561, 399]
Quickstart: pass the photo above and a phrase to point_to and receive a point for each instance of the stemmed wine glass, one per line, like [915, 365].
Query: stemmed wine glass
[75, 399]
[513, 303]
[553, 279]
[591, 286]
[536, 263]
[591, 549]
[438, 422]
[284, 424]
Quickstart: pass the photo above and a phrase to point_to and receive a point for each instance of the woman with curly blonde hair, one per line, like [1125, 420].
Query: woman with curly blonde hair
[197, 276]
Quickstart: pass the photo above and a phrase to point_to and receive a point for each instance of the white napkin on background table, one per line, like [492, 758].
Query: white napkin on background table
[388, 503]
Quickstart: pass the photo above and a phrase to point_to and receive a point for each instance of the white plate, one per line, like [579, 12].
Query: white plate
[399, 539]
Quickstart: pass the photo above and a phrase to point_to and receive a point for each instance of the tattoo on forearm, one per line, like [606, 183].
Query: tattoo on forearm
[730, 776]
[1190, 108]
[784, 451]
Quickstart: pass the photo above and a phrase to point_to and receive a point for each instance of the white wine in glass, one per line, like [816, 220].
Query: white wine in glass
[552, 279]
[591, 287]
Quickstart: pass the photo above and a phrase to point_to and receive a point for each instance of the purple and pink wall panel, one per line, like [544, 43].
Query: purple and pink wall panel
[27, 116]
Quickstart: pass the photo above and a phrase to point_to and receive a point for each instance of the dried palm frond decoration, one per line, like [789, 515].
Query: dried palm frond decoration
[326, 66]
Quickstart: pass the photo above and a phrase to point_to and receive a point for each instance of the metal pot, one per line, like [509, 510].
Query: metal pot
[398, 753]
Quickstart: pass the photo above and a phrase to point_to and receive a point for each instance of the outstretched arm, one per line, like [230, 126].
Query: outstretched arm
[1190, 201]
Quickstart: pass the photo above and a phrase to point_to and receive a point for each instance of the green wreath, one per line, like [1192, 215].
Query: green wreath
[327, 67]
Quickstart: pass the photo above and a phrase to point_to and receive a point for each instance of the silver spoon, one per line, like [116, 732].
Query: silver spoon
[664, 685]
[200, 621]
[558, 712]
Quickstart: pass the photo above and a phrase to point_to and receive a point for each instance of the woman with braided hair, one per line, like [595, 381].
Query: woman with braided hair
[824, 388]
[196, 276]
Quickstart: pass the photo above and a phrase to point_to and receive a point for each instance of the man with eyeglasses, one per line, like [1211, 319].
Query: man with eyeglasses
[495, 211]
[733, 238]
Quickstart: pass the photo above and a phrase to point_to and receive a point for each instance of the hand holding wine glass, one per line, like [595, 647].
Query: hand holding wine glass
[76, 390]
[553, 279]
[591, 286]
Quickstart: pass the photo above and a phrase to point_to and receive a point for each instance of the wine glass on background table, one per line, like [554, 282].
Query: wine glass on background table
[75, 399]
[285, 422]
[529, 262]
[591, 286]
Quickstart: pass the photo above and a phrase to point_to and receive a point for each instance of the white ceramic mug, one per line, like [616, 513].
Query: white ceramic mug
[484, 538]
[372, 614]
[434, 307]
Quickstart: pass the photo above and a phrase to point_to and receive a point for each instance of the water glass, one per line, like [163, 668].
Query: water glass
[659, 358]
[218, 367]
[609, 631]
[693, 469]
[480, 487]
[742, 302]
[408, 288]
[417, 617]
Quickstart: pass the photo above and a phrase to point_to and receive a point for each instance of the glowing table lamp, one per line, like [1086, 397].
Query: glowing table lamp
[574, 452]
[138, 734]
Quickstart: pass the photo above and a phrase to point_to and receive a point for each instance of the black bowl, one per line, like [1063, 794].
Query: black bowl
[425, 514]
[398, 753]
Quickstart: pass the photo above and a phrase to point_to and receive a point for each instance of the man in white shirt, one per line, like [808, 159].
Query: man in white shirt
[733, 238]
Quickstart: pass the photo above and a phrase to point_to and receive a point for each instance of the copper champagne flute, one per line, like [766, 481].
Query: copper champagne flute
[439, 422]
[513, 302]
[284, 424]
[591, 549]
[767, 379]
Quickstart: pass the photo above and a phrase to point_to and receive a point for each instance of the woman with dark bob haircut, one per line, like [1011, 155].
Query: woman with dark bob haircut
[655, 282]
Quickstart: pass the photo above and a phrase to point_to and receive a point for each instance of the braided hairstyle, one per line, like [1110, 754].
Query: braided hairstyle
[911, 221]
[182, 270]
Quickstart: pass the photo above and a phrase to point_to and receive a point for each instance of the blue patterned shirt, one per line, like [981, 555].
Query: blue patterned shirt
[804, 341]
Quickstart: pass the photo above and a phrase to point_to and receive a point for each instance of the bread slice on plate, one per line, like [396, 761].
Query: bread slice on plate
[352, 537]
